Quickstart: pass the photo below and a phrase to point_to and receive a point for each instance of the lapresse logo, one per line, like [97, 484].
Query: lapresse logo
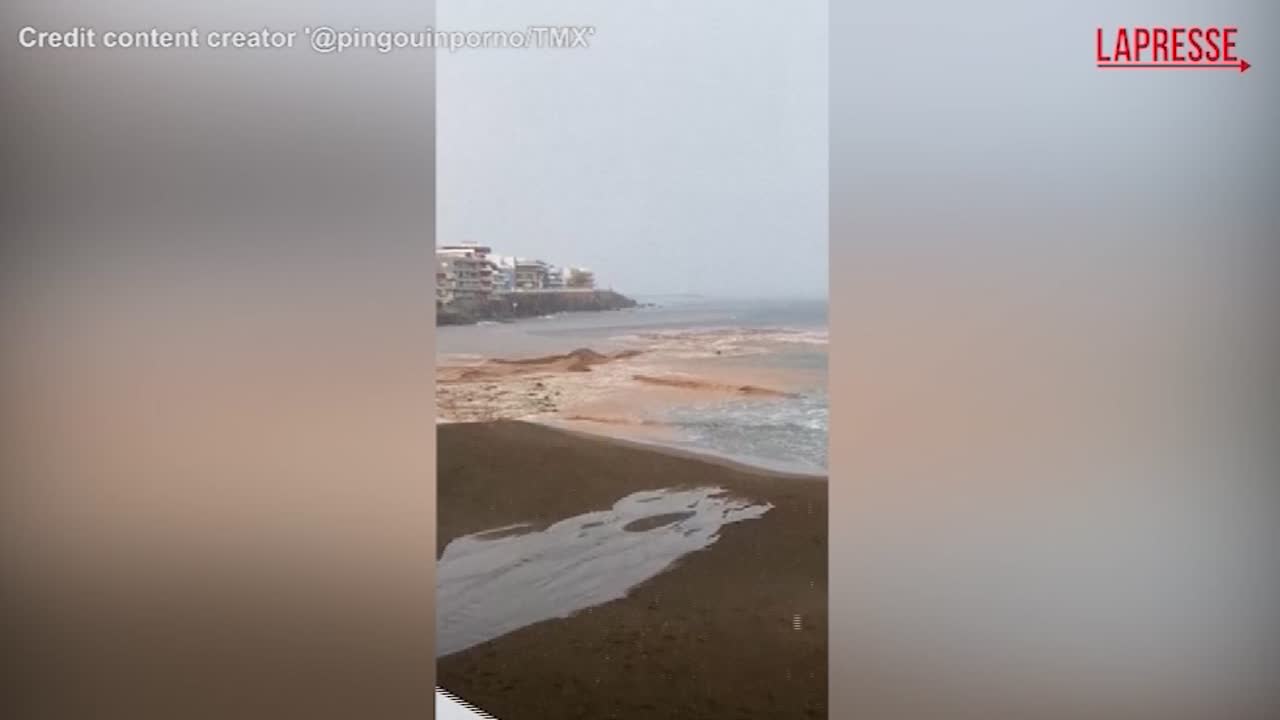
[1169, 48]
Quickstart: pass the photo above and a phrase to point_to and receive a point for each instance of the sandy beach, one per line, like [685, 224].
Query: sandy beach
[735, 628]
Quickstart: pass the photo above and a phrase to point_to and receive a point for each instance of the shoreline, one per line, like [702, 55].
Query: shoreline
[673, 646]
[741, 464]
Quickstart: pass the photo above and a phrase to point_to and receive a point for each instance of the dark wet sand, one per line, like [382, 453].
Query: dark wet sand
[713, 637]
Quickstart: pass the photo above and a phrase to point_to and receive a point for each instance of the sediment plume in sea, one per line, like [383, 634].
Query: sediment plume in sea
[583, 384]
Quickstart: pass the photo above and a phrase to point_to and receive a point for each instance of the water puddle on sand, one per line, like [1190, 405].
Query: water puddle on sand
[491, 583]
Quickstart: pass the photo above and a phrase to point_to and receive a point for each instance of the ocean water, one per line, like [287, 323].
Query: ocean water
[785, 434]
[503, 579]
[703, 336]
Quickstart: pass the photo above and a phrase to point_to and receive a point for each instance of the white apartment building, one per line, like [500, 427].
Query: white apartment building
[504, 274]
[470, 271]
[464, 272]
[580, 278]
[554, 279]
[530, 274]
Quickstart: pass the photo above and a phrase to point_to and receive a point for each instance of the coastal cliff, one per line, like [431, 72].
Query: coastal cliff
[512, 306]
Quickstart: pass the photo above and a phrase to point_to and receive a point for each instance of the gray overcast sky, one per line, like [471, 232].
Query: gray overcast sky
[684, 151]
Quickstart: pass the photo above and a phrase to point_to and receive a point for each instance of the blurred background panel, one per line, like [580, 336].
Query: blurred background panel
[215, 364]
[1054, 296]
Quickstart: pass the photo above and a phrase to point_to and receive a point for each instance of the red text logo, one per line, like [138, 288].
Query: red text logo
[1169, 47]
